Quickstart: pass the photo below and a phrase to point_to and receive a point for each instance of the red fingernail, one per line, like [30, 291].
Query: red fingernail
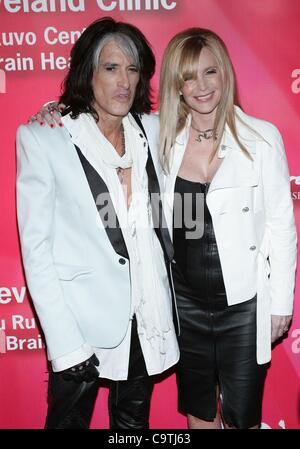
[42, 123]
[51, 125]
[60, 124]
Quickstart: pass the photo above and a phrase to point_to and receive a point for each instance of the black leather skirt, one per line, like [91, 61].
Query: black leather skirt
[218, 353]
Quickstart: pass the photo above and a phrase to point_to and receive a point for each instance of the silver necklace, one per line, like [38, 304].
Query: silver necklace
[120, 170]
[207, 134]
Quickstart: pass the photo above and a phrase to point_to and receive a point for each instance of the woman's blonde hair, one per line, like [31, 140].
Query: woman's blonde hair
[180, 63]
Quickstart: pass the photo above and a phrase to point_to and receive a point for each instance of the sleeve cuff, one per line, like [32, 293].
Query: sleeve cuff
[68, 360]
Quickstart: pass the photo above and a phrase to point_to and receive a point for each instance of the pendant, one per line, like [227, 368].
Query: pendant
[208, 134]
[120, 173]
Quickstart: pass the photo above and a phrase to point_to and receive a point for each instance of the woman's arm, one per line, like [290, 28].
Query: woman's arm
[281, 231]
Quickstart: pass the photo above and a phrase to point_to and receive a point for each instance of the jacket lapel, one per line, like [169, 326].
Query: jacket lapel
[106, 209]
[160, 225]
[159, 220]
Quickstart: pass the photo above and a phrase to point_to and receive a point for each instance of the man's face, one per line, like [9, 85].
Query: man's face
[114, 83]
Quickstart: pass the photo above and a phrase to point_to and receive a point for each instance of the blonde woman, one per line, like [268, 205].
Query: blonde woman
[229, 212]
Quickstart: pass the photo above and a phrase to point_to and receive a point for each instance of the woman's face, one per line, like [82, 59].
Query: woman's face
[114, 83]
[203, 94]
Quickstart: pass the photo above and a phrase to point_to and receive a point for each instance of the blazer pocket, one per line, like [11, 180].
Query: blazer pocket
[70, 272]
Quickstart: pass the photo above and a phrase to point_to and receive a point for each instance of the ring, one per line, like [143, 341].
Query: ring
[51, 107]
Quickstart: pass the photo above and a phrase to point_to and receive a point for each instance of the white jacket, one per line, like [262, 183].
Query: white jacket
[252, 213]
[79, 283]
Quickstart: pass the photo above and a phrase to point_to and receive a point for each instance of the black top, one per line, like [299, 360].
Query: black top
[198, 268]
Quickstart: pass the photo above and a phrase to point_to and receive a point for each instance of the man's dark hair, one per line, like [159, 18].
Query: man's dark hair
[77, 91]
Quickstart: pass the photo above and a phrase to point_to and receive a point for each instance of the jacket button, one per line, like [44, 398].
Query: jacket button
[122, 261]
[141, 135]
[173, 261]
[245, 209]
[252, 248]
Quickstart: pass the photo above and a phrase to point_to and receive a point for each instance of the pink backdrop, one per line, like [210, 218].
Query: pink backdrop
[35, 39]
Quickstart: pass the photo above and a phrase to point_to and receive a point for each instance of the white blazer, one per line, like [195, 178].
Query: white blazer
[252, 213]
[79, 284]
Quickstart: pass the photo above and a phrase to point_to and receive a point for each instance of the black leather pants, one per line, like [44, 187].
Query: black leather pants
[129, 403]
[129, 400]
[71, 405]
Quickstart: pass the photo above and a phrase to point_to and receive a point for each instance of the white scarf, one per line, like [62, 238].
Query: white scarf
[152, 305]
[106, 150]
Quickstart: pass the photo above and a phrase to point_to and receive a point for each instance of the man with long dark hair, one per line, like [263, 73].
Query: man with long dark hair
[96, 266]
